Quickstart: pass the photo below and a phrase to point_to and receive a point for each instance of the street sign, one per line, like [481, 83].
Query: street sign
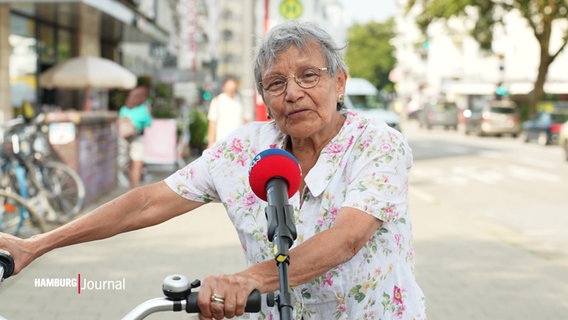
[291, 9]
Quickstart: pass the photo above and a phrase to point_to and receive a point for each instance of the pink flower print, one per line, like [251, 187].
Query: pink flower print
[378, 272]
[386, 147]
[333, 213]
[335, 148]
[389, 211]
[217, 153]
[328, 279]
[249, 200]
[341, 307]
[399, 312]
[321, 222]
[241, 160]
[397, 239]
[231, 201]
[236, 146]
[397, 295]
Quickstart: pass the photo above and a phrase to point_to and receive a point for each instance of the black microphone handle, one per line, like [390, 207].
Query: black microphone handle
[277, 192]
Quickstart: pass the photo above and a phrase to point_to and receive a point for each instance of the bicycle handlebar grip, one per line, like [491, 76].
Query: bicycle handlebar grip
[7, 263]
[253, 302]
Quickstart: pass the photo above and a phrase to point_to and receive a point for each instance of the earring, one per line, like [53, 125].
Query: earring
[268, 115]
[340, 98]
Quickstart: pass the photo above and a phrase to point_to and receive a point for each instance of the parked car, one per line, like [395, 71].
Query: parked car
[362, 96]
[444, 114]
[544, 127]
[496, 117]
[563, 139]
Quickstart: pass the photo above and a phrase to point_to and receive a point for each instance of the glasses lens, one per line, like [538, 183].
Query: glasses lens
[308, 78]
[275, 85]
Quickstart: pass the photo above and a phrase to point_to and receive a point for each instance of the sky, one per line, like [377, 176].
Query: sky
[366, 10]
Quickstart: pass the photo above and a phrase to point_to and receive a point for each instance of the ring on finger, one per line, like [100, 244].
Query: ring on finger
[217, 298]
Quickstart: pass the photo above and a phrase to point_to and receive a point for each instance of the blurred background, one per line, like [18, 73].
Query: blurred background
[479, 89]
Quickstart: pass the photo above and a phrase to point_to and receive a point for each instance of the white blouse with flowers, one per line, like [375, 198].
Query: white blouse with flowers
[364, 167]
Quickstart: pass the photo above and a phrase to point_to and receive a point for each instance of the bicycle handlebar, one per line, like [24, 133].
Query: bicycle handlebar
[6, 264]
[180, 298]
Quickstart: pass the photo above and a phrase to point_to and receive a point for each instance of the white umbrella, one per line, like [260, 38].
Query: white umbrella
[86, 72]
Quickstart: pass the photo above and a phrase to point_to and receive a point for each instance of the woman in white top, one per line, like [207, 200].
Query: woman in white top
[353, 256]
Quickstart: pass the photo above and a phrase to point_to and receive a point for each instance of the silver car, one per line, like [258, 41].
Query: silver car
[441, 113]
[496, 117]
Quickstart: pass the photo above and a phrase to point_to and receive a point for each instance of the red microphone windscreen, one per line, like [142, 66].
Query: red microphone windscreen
[274, 163]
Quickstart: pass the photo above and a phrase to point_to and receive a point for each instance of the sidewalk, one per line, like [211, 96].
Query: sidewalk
[468, 268]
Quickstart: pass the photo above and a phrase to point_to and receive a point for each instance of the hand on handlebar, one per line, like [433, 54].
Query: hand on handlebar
[17, 248]
[224, 296]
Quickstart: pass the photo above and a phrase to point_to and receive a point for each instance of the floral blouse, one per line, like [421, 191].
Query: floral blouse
[364, 167]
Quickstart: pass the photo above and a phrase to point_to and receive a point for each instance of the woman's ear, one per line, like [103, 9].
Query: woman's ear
[341, 78]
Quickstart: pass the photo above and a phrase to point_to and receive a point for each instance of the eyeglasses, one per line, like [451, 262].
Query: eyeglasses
[308, 78]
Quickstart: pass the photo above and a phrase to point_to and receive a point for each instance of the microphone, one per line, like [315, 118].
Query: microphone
[274, 176]
[274, 169]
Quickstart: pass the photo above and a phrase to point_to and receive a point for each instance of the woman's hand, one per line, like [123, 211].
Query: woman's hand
[19, 249]
[224, 296]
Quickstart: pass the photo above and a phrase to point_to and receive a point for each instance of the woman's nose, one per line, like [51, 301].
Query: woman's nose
[293, 90]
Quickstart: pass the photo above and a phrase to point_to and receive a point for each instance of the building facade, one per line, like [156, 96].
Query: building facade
[447, 63]
[36, 35]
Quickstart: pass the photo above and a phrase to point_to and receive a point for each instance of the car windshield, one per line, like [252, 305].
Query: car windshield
[503, 110]
[366, 102]
[444, 106]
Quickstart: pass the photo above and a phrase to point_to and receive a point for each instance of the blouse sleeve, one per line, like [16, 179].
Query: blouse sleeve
[194, 181]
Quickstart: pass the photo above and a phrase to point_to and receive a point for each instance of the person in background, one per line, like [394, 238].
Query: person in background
[226, 112]
[353, 258]
[137, 109]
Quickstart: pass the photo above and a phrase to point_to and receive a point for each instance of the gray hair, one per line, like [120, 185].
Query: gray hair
[299, 35]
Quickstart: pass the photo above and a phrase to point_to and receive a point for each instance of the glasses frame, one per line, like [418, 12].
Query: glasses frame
[303, 86]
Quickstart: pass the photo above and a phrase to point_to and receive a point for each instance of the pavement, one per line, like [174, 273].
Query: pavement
[468, 268]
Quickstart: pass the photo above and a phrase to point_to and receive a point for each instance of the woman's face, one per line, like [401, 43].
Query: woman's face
[299, 112]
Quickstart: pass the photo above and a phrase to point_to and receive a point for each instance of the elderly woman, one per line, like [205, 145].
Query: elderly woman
[353, 258]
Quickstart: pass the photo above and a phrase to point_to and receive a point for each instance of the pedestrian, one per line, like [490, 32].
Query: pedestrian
[353, 256]
[226, 112]
[134, 113]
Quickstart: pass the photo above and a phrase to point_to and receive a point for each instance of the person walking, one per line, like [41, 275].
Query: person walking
[136, 108]
[226, 112]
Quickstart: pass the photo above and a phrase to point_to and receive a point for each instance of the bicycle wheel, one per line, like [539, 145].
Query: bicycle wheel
[64, 188]
[17, 217]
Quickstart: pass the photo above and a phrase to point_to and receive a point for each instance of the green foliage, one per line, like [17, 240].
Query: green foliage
[198, 129]
[539, 15]
[370, 54]
[164, 105]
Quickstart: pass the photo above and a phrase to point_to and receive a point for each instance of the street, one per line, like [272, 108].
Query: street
[489, 223]
[488, 217]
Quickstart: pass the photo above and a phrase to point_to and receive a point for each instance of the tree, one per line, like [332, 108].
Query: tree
[539, 15]
[370, 54]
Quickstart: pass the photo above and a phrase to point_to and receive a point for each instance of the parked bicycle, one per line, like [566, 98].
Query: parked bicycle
[30, 169]
[17, 217]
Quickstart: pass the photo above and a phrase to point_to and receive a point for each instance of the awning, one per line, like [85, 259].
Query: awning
[136, 27]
